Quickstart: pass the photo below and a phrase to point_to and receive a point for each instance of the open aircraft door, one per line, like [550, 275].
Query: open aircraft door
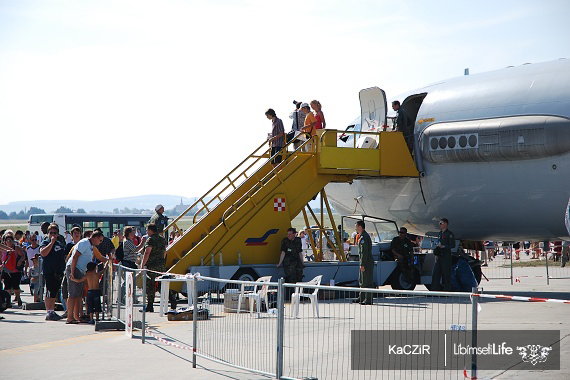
[372, 114]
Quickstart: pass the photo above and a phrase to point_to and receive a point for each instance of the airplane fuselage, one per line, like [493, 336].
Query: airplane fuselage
[494, 152]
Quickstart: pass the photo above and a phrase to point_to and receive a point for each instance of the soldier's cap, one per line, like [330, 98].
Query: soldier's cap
[158, 207]
[404, 230]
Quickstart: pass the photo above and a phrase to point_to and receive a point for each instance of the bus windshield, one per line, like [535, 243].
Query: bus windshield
[40, 218]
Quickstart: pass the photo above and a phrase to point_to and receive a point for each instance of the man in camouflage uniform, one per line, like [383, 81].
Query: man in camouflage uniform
[366, 274]
[154, 260]
[403, 251]
[292, 258]
[442, 266]
[158, 219]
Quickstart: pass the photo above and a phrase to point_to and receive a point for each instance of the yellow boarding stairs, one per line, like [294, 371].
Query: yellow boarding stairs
[245, 216]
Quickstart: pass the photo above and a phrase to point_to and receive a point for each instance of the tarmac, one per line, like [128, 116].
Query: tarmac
[35, 348]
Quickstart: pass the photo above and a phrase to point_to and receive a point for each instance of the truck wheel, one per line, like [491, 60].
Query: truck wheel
[245, 274]
[398, 281]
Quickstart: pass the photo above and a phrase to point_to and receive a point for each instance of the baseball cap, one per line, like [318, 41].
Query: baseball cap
[158, 207]
[304, 105]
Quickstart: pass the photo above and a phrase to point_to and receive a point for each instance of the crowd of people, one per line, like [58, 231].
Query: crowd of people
[306, 123]
[70, 265]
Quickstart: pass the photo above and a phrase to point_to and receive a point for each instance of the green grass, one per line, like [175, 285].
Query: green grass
[534, 263]
[14, 225]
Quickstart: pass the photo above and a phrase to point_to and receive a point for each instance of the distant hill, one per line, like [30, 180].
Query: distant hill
[139, 202]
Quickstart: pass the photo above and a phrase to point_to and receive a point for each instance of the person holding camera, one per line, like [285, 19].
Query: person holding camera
[298, 117]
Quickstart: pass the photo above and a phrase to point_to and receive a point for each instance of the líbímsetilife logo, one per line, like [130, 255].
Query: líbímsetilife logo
[534, 353]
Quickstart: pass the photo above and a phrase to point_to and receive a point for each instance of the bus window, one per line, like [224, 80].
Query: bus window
[39, 219]
[89, 225]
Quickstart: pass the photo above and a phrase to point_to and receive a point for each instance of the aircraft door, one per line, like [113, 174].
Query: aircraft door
[372, 108]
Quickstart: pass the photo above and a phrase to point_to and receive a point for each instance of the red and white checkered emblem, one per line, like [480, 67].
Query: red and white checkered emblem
[279, 204]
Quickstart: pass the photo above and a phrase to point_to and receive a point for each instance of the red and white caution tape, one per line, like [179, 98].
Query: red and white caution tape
[520, 298]
[168, 342]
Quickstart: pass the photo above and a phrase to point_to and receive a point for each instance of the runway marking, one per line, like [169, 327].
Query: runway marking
[59, 343]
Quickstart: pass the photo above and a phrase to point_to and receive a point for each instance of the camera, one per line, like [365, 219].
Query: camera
[295, 102]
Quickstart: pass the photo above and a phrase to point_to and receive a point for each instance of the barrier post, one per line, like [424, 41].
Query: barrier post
[106, 305]
[474, 312]
[120, 295]
[511, 255]
[280, 326]
[546, 256]
[144, 307]
[110, 288]
[194, 319]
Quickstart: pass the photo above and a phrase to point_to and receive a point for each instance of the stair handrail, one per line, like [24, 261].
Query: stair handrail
[261, 182]
[226, 177]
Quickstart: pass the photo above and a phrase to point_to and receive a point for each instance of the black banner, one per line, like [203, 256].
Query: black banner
[455, 350]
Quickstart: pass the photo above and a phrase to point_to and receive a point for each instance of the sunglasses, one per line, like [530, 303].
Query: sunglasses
[53, 233]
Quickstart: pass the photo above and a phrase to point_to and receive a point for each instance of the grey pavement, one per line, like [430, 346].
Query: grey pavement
[35, 348]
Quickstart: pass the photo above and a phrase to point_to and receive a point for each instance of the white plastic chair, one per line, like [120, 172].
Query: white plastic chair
[255, 295]
[296, 297]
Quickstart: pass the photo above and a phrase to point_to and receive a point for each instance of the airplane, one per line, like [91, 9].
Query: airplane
[493, 152]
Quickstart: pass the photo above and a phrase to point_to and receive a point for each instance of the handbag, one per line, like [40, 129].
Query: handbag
[437, 251]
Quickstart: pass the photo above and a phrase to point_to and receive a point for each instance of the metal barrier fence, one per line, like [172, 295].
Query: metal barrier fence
[508, 263]
[496, 263]
[115, 296]
[304, 340]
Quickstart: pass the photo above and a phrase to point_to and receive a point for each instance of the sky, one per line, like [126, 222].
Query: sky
[106, 99]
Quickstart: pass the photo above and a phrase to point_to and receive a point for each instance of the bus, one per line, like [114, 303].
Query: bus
[107, 222]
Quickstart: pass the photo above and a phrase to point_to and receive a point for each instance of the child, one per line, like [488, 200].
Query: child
[35, 286]
[92, 276]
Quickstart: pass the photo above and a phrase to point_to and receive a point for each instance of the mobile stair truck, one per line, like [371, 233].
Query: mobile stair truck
[239, 223]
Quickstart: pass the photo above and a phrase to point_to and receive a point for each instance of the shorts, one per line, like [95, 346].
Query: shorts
[277, 159]
[35, 284]
[11, 280]
[93, 301]
[53, 284]
[75, 289]
[64, 291]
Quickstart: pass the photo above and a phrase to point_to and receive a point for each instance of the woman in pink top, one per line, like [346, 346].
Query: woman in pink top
[316, 106]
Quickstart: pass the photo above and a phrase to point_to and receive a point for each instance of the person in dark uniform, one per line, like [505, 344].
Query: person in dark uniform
[403, 250]
[154, 260]
[158, 219]
[366, 274]
[292, 259]
[404, 124]
[442, 266]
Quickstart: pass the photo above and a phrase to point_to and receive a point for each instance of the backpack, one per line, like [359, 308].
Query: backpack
[5, 302]
[119, 253]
